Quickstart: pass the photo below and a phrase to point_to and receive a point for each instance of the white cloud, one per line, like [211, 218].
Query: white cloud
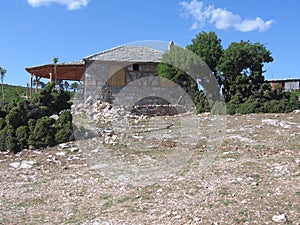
[71, 4]
[257, 24]
[221, 18]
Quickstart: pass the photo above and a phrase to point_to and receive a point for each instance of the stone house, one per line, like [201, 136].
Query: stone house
[108, 71]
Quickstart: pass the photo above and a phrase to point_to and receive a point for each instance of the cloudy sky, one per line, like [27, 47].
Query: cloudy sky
[35, 31]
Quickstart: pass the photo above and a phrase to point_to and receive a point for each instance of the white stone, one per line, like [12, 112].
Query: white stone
[197, 219]
[61, 154]
[15, 164]
[74, 149]
[63, 145]
[54, 117]
[297, 111]
[22, 165]
[279, 218]
[89, 100]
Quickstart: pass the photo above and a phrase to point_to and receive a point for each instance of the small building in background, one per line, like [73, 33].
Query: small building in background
[286, 84]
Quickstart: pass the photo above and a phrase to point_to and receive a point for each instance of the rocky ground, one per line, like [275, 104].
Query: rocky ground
[242, 169]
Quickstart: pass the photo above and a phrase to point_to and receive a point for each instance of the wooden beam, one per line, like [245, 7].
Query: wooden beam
[36, 84]
[31, 75]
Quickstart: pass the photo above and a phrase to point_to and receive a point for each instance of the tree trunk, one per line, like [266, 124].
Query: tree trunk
[2, 92]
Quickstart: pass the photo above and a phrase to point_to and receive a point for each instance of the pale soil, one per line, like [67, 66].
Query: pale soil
[255, 175]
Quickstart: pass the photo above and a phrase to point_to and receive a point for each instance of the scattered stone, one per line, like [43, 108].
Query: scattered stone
[109, 132]
[74, 149]
[54, 117]
[31, 147]
[138, 137]
[22, 165]
[61, 154]
[254, 184]
[15, 164]
[177, 217]
[239, 137]
[279, 218]
[244, 201]
[64, 146]
[197, 219]
[297, 111]
[152, 146]
[89, 100]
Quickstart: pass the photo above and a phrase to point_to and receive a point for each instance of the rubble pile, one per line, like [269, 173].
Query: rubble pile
[155, 110]
[112, 122]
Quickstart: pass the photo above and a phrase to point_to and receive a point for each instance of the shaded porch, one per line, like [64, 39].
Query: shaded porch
[73, 71]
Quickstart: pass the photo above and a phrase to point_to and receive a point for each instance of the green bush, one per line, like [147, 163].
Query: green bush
[43, 134]
[63, 127]
[11, 140]
[2, 123]
[251, 105]
[16, 117]
[22, 135]
[31, 125]
[219, 108]
[3, 136]
[202, 104]
[26, 122]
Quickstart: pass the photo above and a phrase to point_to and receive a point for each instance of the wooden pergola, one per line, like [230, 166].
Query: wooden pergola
[56, 73]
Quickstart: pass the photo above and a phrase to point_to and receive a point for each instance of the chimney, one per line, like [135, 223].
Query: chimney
[171, 44]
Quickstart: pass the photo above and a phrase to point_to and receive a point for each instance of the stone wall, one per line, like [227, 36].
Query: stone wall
[140, 85]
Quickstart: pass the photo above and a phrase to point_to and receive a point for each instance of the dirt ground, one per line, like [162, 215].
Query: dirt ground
[247, 174]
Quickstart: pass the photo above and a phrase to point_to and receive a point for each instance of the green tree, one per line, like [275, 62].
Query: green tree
[176, 65]
[188, 70]
[208, 46]
[66, 85]
[241, 68]
[2, 74]
[74, 86]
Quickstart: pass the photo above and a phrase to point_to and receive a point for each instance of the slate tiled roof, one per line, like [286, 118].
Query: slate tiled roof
[128, 54]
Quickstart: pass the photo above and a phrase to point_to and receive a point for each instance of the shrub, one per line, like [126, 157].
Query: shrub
[251, 105]
[31, 124]
[3, 136]
[43, 134]
[2, 123]
[22, 134]
[11, 140]
[63, 127]
[16, 117]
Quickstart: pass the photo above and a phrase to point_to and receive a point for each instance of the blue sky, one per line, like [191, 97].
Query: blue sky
[35, 31]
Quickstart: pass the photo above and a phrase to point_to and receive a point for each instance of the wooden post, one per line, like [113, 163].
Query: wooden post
[36, 84]
[31, 75]
[51, 77]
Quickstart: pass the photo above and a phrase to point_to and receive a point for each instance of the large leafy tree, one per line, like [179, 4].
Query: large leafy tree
[186, 68]
[2, 74]
[179, 65]
[241, 69]
[208, 47]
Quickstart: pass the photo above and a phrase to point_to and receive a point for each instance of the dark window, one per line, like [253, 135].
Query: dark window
[136, 67]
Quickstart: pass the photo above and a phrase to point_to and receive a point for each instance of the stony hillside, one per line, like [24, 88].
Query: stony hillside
[246, 171]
